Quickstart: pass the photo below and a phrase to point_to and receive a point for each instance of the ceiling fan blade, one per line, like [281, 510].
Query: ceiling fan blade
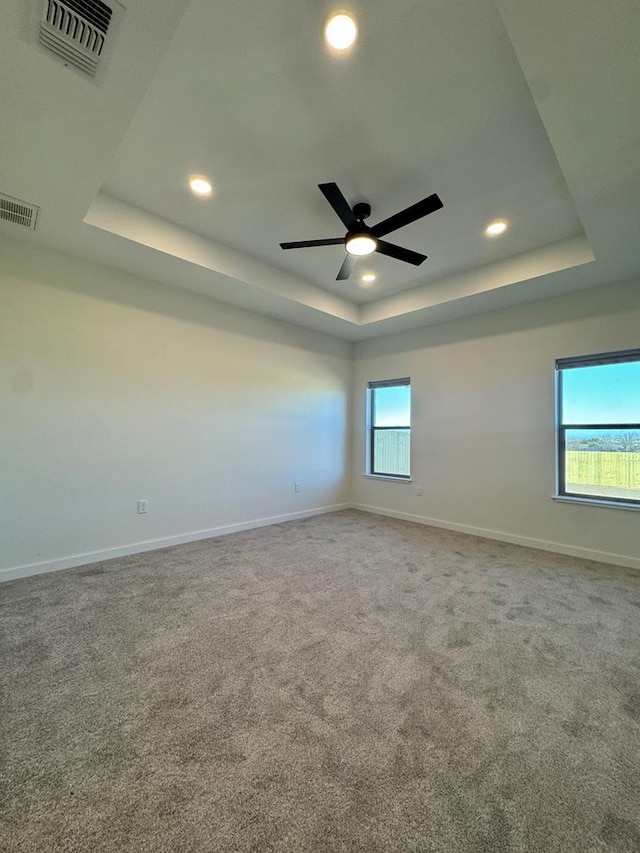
[305, 244]
[348, 266]
[401, 254]
[408, 215]
[339, 203]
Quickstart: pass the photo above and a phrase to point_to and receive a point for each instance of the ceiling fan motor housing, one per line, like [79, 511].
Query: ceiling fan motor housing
[362, 210]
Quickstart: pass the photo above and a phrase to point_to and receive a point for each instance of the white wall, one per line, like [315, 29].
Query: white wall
[114, 389]
[483, 422]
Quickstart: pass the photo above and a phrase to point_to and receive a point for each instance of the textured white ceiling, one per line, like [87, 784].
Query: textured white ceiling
[506, 109]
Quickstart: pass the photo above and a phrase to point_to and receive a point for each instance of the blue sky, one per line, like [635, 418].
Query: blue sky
[393, 406]
[609, 393]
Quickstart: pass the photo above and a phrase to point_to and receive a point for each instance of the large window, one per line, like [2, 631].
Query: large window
[389, 428]
[599, 427]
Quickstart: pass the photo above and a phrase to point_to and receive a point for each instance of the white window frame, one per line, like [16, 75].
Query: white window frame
[372, 386]
[563, 364]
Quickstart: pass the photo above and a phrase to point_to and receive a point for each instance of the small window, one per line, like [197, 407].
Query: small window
[599, 427]
[389, 428]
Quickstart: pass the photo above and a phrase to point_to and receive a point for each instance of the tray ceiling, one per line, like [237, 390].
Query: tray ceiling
[489, 104]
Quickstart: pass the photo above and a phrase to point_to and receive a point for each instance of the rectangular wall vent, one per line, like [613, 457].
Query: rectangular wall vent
[76, 31]
[18, 212]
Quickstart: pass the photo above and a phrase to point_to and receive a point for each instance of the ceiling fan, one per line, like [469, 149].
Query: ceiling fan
[362, 239]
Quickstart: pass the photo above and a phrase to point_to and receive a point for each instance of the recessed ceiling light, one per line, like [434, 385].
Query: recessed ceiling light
[200, 185]
[360, 244]
[368, 277]
[341, 31]
[496, 228]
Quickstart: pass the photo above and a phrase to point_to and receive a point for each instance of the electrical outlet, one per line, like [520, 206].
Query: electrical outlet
[420, 491]
[296, 487]
[143, 506]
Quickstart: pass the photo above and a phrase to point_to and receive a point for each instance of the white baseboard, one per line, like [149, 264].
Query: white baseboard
[193, 536]
[501, 536]
[153, 544]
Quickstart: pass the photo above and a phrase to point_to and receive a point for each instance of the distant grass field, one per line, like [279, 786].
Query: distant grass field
[603, 468]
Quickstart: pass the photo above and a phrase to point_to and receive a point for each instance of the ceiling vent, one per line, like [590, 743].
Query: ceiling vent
[18, 212]
[76, 31]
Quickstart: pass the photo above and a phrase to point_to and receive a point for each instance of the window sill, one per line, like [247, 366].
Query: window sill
[387, 477]
[575, 499]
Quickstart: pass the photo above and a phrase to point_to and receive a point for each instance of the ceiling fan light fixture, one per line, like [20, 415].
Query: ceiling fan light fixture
[341, 31]
[360, 244]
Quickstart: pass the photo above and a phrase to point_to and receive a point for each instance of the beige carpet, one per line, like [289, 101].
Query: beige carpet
[344, 683]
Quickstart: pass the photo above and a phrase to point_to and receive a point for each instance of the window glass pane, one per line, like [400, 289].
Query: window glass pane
[603, 463]
[608, 394]
[391, 406]
[391, 452]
